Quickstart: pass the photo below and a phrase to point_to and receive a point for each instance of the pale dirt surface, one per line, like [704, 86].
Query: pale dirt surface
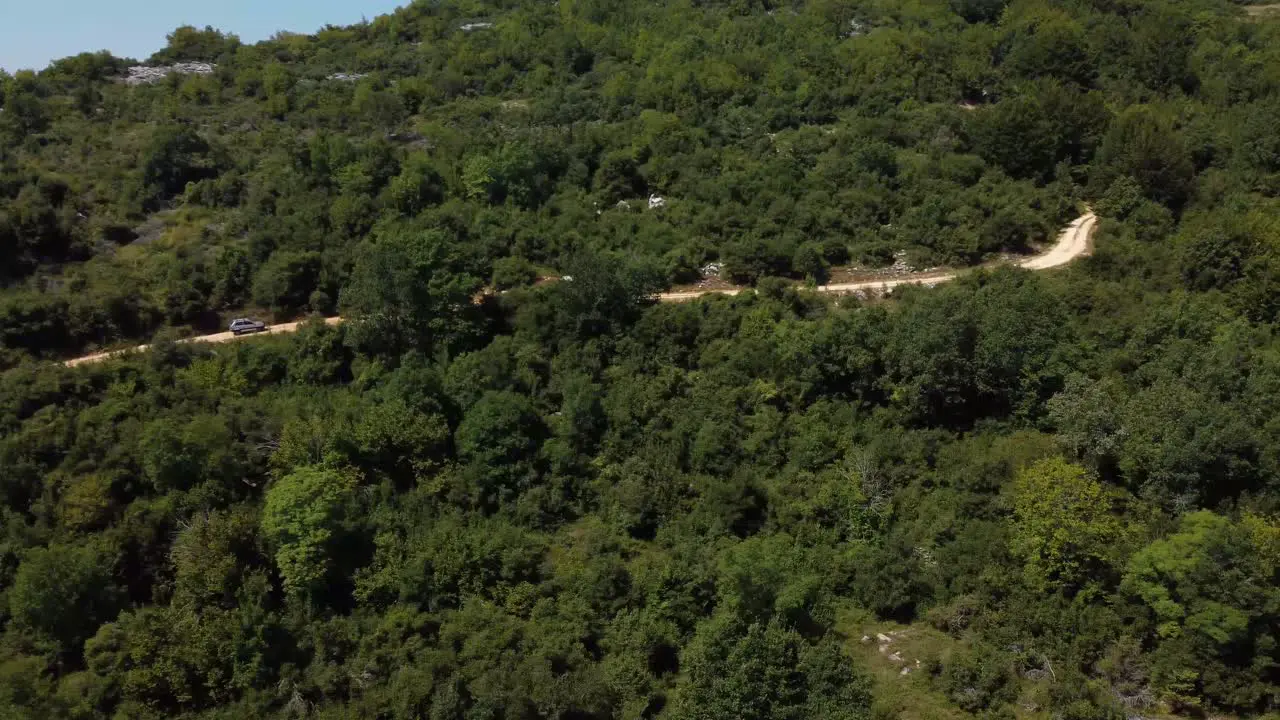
[215, 338]
[1072, 243]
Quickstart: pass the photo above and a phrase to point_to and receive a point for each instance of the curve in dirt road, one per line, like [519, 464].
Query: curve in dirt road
[1072, 243]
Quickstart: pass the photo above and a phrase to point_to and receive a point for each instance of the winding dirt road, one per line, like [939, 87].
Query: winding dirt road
[1072, 243]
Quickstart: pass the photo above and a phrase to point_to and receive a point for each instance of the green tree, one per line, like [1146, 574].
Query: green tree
[1210, 590]
[1087, 416]
[62, 593]
[406, 292]
[1214, 250]
[1028, 134]
[600, 296]
[954, 358]
[809, 262]
[498, 439]
[382, 108]
[86, 503]
[1065, 529]
[188, 43]
[301, 519]
[513, 272]
[976, 11]
[175, 156]
[1045, 43]
[417, 187]
[619, 178]
[979, 678]
[765, 670]
[1143, 144]
[232, 278]
[286, 280]
[25, 110]
[213, 556]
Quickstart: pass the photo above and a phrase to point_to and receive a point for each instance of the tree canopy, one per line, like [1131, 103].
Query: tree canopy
[509, 483]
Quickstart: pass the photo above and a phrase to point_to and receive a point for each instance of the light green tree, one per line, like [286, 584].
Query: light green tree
[417, 187]
[1174, 575]
[1211, 591]
[1064, 530]
[302, 512]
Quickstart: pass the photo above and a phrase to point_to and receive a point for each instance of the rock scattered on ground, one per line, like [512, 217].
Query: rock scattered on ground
[856, 29]
[710, 276]
[884, 642]
[148, 74]
[900, 265]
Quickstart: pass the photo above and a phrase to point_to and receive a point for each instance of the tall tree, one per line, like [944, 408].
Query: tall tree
[1065, 530]
[301, 519]
[406, 293]
[62, 593]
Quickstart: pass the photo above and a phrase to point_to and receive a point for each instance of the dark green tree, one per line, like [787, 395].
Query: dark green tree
[406, 293]
[62, 593]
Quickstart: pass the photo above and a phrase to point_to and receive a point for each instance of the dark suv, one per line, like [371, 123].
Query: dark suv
[240, 326]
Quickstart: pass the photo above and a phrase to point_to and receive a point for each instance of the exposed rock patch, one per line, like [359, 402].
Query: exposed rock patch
[148, 74]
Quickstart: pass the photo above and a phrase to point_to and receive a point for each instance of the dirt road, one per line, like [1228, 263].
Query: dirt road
[1072, 243]
[215, 338]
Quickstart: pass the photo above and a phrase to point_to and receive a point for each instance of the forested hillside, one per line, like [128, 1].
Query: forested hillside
[1021, 495]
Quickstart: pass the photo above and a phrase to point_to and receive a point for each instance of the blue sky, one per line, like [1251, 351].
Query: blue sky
[34, 32]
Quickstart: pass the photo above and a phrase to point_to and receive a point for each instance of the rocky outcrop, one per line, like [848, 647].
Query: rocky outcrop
[147, 74]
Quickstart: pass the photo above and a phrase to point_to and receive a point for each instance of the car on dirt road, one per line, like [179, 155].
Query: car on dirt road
[240, 326]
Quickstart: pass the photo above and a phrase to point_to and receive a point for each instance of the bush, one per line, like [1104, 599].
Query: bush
[979, 678]
[512, 272]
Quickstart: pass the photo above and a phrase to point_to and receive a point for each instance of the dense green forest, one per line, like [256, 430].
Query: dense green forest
[1020, 495]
